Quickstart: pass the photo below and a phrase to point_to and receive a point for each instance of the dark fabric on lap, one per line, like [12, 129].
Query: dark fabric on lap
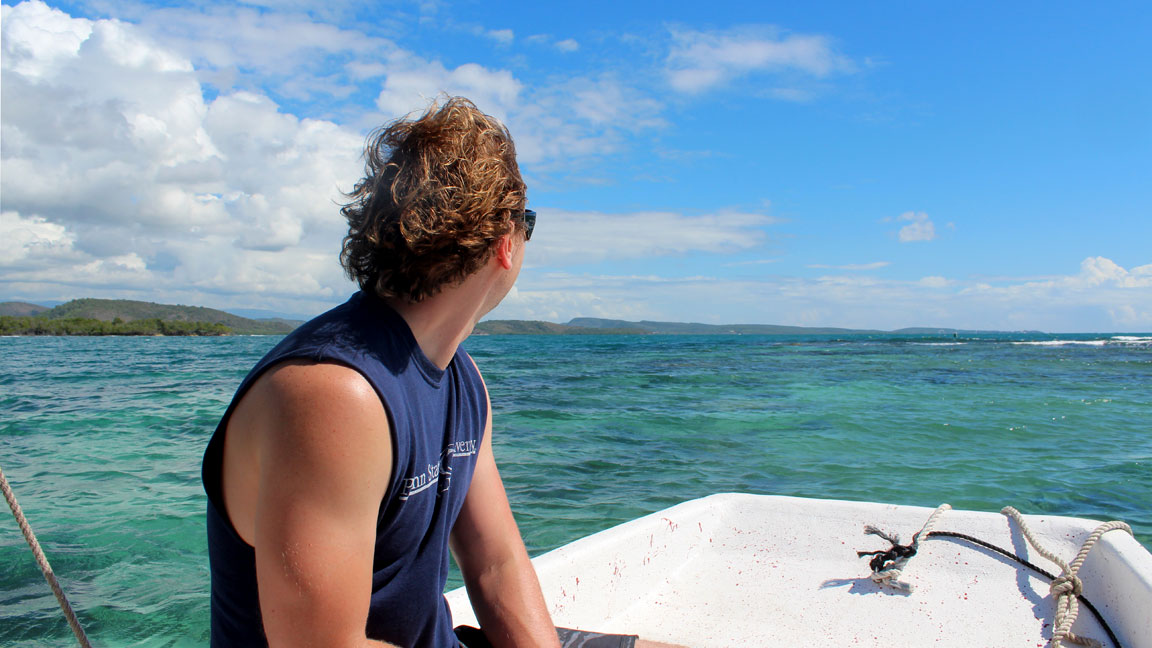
[583, 639]
[470, 637]
[474, 638]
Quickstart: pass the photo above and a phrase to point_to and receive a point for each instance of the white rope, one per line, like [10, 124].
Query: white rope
[1067, 587]
[890, 576]
[42, 561]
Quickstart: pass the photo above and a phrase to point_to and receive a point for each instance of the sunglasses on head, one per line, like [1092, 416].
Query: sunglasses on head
[529, 218]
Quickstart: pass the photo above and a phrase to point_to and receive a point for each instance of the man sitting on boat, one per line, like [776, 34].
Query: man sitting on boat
[359, 450]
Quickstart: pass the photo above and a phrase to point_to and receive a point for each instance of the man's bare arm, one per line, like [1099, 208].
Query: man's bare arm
[502, 584]
[325, 457]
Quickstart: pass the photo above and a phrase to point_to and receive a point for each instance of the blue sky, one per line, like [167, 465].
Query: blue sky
[986, 165]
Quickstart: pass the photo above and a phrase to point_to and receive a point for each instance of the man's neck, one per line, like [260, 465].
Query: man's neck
[441, 323]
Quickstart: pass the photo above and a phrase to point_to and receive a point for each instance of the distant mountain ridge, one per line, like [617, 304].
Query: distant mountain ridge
[108, 310]
[691, 328]
[535, 327]
[21, 309]
[600, 326]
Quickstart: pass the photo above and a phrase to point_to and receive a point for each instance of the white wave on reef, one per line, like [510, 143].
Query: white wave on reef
[1063, 343]
[1115, 340]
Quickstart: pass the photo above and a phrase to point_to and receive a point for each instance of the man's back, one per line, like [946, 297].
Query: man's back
[434, 419]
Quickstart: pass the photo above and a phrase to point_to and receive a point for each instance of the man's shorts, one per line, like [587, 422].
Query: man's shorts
[470, 637]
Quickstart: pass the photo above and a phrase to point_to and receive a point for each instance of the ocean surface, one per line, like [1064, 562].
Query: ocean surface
[101, 438]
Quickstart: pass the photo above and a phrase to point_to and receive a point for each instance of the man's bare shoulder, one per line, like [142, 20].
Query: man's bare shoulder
[322, 385]
[299, 409]
[304, 425]
[304, 403]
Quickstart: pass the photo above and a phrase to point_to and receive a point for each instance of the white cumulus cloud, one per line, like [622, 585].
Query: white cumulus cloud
[501, 36]
[32, 240]
[573, 121]
[119, 176]
[412, 86]
[935, 281]
[700, 60]
[919, 227]
[577, 237]
[285, 49]
[566, 45]
[1100, 271]
[875, 265]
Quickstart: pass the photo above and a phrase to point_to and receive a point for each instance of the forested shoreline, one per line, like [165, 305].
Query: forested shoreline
[10, 325]
[88, 316]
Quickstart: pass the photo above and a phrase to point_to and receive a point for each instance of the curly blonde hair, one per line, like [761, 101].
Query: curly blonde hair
[437, 192]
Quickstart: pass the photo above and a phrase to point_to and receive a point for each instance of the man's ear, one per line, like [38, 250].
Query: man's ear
[504, 251]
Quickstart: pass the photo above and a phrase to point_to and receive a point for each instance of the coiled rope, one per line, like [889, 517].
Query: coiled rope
[1008, 554]
[1066, 587]
[42, 561]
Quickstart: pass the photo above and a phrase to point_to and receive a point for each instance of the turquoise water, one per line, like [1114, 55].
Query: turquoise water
[101, 438]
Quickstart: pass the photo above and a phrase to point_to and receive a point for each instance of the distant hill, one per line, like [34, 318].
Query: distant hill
[598, 323]
[21, 309]
[264, 314]
[599, 326]
[522, 327]
[683, 328]
[108, 310]
[920, 330]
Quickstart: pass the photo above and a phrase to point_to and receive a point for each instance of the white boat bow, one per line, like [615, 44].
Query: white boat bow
[760, 570]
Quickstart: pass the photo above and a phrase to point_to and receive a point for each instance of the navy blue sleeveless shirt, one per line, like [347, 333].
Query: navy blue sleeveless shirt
[437, 424]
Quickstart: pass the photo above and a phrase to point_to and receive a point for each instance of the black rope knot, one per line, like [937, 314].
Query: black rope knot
[1066, 584]
[887, 558]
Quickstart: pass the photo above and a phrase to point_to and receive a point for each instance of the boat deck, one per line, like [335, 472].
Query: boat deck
[754, 570]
